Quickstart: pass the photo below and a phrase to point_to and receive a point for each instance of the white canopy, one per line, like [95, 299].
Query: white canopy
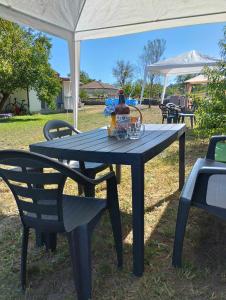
[76, 20]
[187, 63]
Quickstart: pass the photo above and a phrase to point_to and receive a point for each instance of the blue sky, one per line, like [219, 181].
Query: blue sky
[99, 56]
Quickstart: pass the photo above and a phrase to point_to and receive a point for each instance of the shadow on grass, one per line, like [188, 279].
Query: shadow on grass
[204, 259]
[50, 274]
[15, 120]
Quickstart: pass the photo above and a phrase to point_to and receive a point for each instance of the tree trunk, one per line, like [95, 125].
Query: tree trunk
[3, 101]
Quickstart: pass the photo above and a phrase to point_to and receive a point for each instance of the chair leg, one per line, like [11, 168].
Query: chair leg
[80, 189]
[115, 218]
[118, 172]
[25, 237]
[79, 242]
[182, 217]
[89, 190]
[111, 168]
[51, 241]
[39, 239]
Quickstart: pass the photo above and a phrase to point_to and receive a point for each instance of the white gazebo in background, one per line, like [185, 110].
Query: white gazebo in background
[77, 20]
[191, 62]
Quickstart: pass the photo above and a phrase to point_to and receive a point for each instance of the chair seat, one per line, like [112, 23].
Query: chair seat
[79, 210]
[216, 191]
[96, 167]
[76, 210]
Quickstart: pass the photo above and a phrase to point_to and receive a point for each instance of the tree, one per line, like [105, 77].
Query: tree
[212, 110]
[123, 72]
[152, 53]
[84, 77]
[83, 95]
[222, 45]
[24, 63]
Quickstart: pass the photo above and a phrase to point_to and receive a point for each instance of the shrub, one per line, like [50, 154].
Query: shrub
[211, 112]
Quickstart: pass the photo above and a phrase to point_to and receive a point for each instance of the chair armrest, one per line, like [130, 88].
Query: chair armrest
[76, 130]
[83, 179]
[76, 175]
[212, 146]
[189, 186]
[103, 178]
[212, 170]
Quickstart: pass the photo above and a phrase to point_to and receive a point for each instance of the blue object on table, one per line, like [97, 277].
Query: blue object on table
[132, 102]
[111, 101]
[111, 104]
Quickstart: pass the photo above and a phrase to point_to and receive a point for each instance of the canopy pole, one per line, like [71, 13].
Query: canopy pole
[164, 89]
[74, 49]
[143, 85]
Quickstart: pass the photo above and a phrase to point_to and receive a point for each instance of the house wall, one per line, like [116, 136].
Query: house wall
[35, 103]
[19, 94]
[66, 88]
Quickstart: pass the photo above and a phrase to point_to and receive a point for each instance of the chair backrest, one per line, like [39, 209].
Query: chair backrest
[57, 129]
[38, 194]
[164, 110]
[173, 108]
[177, 100]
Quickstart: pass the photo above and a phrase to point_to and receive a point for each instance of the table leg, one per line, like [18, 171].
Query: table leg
[138, 217]
[118, 172]
[191, 119]
[181, 161]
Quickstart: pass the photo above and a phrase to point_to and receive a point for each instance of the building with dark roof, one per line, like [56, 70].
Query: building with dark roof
[98, 88]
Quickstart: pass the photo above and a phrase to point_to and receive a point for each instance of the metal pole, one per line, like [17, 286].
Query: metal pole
[74, 48]
[143, 85]
[164, 89]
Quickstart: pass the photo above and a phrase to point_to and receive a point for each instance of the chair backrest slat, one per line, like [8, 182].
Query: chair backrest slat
[38, 194]
[44, 209]
[54, 129]
[32, 176]
[60, 133]
[27, 162]
[37, 184]
[35, 193]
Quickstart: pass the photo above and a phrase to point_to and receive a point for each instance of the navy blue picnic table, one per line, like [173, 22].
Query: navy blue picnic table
[96, 146]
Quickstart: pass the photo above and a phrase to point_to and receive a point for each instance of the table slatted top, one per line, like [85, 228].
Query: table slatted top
[96, 146]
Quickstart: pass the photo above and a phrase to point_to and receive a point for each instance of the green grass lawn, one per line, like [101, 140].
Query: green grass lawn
[50, 275]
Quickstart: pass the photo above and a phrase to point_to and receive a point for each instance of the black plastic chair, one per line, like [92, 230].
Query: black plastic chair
[169, 112]
[164, 111]
[173, 112]
[44, 207]
[205, 188]
[55, 129]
